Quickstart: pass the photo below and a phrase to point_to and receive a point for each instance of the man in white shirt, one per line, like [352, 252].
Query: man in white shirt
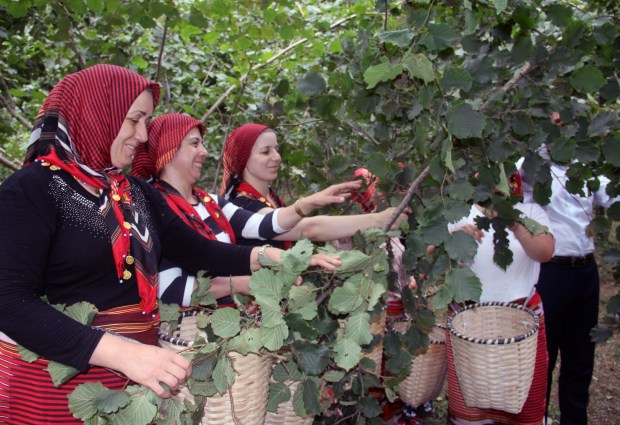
[569, 287]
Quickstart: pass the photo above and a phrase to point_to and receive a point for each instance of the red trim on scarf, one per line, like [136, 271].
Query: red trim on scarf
[216, 212]
[189, 214]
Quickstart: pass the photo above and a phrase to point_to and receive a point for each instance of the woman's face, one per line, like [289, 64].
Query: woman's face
[264, 159]
[133, 130]
[189, 157]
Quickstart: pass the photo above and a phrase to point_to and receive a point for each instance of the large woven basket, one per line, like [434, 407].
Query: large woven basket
[428, 371]
[245, 402]
[184, 335]
[286, 413]
[494, 348]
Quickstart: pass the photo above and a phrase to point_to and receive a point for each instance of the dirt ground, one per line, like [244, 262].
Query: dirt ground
[604, 408]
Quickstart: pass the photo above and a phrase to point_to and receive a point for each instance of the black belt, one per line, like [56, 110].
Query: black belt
[573, 261]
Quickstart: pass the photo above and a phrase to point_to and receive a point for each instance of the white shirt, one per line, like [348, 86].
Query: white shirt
[570, 214]
[518, 280]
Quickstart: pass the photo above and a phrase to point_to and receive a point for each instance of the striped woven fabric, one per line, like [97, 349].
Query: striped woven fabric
[27, 393]
[534, 408]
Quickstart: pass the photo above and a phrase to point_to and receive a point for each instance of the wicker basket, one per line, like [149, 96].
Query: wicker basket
[494, 348]
[286, 413]
[245, 402]
[184, 335]
[428, 371]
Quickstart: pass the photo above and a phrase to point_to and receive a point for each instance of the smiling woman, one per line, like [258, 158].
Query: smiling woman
[133, 130]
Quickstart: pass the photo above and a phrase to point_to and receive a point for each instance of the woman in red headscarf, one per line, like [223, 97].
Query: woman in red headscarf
[74, 227]
[172, 159]
[251, 162]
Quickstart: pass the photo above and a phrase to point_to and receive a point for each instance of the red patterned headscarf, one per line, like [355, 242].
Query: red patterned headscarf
[74, 131]
[166, 133]
[237, 151]
[365, 198]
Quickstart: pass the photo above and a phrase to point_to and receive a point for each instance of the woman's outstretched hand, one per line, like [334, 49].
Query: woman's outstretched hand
[334, 194]
[386, 215]
[325, 261]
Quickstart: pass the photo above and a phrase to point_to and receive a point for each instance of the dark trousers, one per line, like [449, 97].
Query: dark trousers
[570, 298]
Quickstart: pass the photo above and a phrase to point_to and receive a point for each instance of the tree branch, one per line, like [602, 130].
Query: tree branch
[272, 59]
[161, 49]
[522, 72]
[413, 188]
[10, 105]
[9, 163]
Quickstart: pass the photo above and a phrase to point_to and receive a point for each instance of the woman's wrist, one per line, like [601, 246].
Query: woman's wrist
[298, 208]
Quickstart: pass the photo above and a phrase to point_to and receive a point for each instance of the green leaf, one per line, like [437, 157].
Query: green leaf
[312, 358]
[112, 401]
[223, 374]
[26, 354]
[534, 227]
[457, 78]
[248, 341]
[347, 298]
[169, 313]
[311, 84]
[381, 73]
[613, 212]
[601, 333]
[462, 247]
[611, 150]
[602, 123]
[302, 300]
[299, 404]
[278, 393]
[563, 150]
[333, 376]
[419, 66]
[500, 5]
[443, 36]
[81, 312]
[225, 322]
[18, 9]
[170, 411]
[559, 14]
[310, 393]
[464, 284]
[61, 373]
[295, 260]
[461, 189]
[96, 6]
[266, 288]
[587, 79]
[273, 337]
[613, 305]
[352, 260]
[464, 122]
[202, 388]
[443, 297]
[202, 294]
[400, 38]
[83, 400]
[347, 353]
[142, 409]
[357, 328]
